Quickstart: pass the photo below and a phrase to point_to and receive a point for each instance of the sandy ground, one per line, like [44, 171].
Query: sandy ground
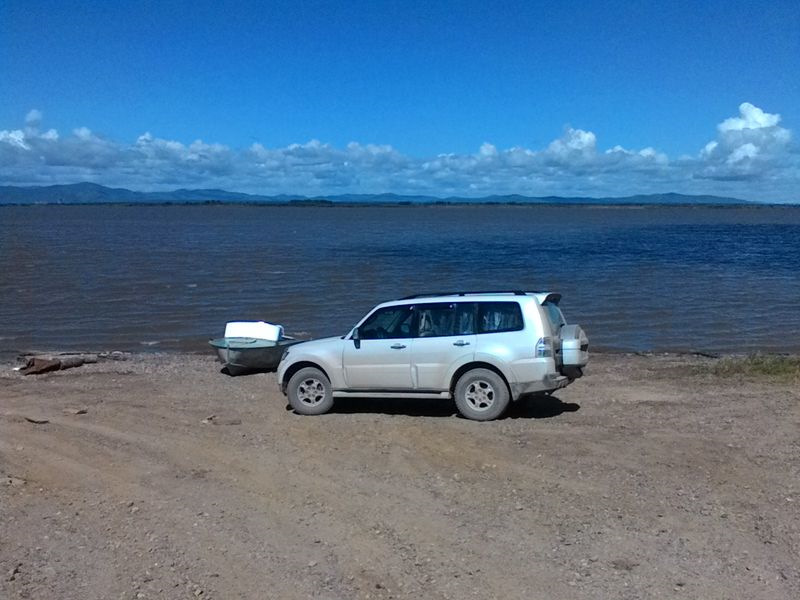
[645, 479]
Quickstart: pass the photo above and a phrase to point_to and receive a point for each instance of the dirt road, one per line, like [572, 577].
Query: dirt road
[646, 479]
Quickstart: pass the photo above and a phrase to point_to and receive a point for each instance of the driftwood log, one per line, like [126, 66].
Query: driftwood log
[35, 365]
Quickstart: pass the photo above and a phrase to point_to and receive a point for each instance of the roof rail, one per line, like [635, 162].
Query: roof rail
[431, 294]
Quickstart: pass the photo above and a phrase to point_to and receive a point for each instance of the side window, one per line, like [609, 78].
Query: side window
[435, 320]
[387, 323]
[444, 319]
[465, 318]
[496, 317]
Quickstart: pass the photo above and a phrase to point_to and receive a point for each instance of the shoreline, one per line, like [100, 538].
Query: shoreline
[154, 350]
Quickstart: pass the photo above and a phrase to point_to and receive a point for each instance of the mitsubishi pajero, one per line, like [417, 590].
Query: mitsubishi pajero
[482, 349]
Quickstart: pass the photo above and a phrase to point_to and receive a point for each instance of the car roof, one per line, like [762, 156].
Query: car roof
[495, 296]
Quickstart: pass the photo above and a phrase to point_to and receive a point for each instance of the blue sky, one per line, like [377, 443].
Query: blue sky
[466, 98]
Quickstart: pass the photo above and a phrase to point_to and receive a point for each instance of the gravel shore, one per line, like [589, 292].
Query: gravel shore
[158, 476]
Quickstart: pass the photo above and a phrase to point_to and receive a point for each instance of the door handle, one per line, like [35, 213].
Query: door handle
[460, 343]
[397, 346]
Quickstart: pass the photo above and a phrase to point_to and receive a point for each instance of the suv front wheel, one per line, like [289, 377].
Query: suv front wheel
[309, 392]
[481, 395]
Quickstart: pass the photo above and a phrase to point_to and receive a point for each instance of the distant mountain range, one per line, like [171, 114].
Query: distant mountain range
[91, 193]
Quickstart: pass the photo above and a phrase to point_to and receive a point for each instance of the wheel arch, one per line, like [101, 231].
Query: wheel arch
[477, 365]
[295, 367]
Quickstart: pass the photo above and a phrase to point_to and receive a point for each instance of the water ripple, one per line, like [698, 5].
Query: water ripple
[119, 277]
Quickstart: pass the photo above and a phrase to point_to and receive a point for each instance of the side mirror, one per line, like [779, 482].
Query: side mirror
[356, 338]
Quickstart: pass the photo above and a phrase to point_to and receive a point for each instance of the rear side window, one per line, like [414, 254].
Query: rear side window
[496, 317]
[465, 318]
[443, 319]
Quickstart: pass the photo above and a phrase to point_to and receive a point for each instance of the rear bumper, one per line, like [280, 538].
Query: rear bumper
[549, 383]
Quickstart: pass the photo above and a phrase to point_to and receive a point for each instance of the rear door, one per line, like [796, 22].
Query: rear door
[382, 358]
[556, 320]
[501, 332]
[445, 334]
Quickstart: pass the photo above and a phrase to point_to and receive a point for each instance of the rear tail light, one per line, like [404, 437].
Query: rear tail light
[544, 347]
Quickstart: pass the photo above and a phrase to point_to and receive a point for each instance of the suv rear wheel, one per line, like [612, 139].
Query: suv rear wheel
[481, 395]
[309, 392]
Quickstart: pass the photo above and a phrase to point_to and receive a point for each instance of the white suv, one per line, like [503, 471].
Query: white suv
[482, 349]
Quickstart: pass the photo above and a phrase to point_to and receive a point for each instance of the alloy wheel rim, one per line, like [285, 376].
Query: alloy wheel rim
[311, 391]
[480, 395]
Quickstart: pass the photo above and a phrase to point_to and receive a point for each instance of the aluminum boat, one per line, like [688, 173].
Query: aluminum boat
[246, 354]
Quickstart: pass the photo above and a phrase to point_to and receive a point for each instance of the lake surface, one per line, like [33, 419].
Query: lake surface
[169, 277]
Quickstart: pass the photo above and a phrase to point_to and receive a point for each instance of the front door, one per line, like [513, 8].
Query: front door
[383, 360]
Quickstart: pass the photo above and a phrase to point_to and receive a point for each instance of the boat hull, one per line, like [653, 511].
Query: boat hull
[246, 355]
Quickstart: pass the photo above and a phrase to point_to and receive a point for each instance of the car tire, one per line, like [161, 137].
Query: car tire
[481, 395]
[309, 392]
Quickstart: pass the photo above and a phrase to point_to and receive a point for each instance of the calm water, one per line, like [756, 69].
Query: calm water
[169, 277]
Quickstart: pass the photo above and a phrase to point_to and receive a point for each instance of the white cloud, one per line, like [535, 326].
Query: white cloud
[751, 117]
[488, 150]
[709, 148]
[742, 152]
[574, 142]
[33, 118]
[649, 154]
[83, 133]
[752, 146]
[14, 138]
[752, 156]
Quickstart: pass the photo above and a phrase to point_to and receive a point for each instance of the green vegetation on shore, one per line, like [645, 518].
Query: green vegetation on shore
[774, 366]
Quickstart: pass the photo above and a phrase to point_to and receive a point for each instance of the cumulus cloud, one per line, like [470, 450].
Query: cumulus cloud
[15, 139]
[488, 150]
[751, 156]
[751, 146]
[33, 118]
[575, 143]
[751, 117]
